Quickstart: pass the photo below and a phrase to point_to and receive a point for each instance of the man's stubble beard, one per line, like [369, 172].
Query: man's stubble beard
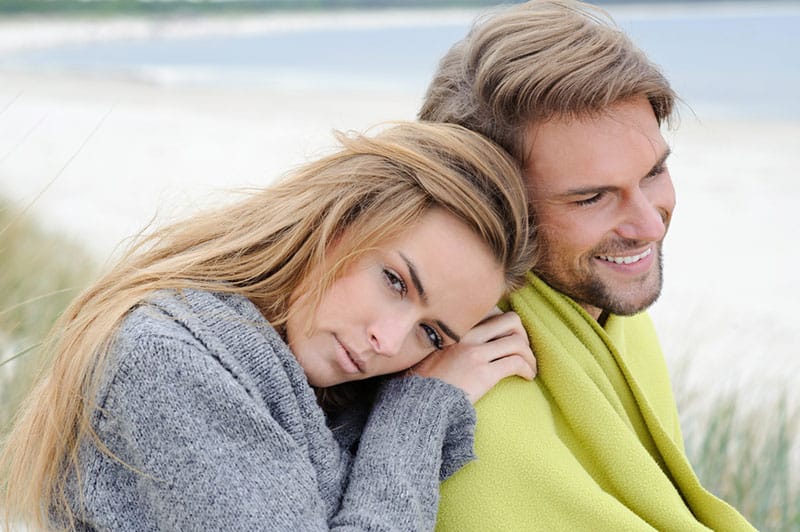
[588, 288]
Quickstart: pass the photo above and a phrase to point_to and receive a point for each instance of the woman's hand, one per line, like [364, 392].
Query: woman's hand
[494, 349]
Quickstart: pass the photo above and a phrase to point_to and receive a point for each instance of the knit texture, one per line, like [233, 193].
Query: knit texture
[213, 426]
[593, 443]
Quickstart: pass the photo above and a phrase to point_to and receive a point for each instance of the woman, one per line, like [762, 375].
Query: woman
[182, 394]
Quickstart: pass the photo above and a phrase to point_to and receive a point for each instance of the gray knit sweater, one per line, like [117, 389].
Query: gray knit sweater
[216, 428]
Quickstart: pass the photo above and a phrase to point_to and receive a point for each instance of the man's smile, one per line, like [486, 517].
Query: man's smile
[629, 259]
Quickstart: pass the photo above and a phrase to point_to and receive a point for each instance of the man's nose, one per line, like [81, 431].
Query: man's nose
[644, 219]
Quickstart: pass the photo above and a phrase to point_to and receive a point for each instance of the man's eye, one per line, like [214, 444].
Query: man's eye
[658, 170]
[589, 200]
[433, 336]
[395, 282]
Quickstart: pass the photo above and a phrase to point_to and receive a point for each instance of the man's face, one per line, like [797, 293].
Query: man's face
[602, 198]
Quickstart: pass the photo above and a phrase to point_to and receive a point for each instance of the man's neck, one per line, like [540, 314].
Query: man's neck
[597, 313]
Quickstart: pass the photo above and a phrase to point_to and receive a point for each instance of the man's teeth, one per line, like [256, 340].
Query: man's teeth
[626, 260]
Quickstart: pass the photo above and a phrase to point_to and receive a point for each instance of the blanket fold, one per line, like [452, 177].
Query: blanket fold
[593, 443]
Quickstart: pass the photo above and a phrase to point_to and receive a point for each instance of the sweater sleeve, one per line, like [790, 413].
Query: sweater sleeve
[420, 430]
[192, 450]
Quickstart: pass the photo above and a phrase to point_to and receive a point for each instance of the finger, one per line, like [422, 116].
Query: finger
[526, 356]
[485, 355]
[501, 347]
[512, 365]
[497, 326]
[511, 345]
[521, 349]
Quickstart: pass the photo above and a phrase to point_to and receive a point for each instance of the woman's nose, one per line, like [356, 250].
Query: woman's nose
[387, 336]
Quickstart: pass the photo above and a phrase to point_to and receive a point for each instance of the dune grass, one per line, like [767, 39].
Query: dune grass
[40, 272]
[747, 455]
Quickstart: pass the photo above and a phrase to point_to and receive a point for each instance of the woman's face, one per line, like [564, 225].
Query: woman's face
[412, 294]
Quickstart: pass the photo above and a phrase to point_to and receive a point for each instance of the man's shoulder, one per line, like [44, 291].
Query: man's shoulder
[636, 333]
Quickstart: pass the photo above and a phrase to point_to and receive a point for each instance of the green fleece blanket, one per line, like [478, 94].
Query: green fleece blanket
[593, 443]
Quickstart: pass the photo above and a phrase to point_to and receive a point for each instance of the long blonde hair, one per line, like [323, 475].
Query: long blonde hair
[539, 60]
[262, 248]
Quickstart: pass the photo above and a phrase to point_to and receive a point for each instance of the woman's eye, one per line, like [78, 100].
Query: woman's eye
[395, 282]
[590, 200]
[433, 336]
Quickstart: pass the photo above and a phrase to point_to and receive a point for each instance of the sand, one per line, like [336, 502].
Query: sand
[98, 158]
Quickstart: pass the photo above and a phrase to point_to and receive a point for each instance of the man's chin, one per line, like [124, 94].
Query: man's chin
[609, 297]
[627, 303]
[629, 309]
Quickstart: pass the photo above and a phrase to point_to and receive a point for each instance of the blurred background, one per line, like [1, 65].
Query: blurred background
[116, 115]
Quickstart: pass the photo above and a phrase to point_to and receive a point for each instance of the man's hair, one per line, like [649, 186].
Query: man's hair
[537, 61]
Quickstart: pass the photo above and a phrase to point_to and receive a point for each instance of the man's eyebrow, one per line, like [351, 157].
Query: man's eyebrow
[586, 191]
[657, 167]
[415, 280]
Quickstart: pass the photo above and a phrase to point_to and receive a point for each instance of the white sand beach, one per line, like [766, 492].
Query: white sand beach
[98, 157]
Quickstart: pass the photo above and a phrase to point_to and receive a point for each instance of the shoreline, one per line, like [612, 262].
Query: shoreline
[31, 31]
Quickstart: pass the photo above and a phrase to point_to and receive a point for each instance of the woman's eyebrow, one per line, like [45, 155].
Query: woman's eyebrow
[417, 282]
[448, 331]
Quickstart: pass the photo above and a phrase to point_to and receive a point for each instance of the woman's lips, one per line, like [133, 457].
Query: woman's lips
[346, 360]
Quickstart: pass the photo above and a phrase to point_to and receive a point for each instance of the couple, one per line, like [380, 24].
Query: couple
[249, 368]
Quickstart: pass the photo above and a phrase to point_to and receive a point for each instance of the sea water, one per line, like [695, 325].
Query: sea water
[724, 59]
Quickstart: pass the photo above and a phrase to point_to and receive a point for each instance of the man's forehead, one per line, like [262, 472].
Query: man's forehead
[633, 110]
[589, 151]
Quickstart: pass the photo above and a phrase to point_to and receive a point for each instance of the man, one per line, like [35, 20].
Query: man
[594, 442]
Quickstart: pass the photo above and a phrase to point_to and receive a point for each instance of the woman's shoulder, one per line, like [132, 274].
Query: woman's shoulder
[177, 327]
[191, 316]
